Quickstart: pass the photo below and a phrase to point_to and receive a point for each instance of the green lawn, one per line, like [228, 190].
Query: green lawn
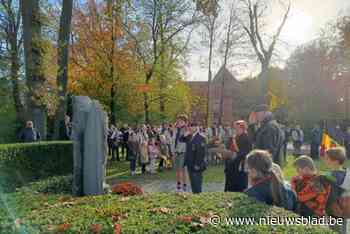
[120, 171]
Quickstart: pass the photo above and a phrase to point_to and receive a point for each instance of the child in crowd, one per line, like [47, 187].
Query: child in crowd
[266, 186]
[163, 149]
[335, 160]
[340, 179]
[311, 201]
[153, 155]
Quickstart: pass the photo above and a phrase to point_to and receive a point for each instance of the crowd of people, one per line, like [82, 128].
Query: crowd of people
[253, 152]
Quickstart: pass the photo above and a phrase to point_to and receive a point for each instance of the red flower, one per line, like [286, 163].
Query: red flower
[127, 189]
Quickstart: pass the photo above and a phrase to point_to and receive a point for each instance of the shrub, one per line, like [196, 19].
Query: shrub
[52, 185]
[150, 213]
[25, 162]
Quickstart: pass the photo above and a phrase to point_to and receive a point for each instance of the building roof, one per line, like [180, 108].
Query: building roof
[222, 73]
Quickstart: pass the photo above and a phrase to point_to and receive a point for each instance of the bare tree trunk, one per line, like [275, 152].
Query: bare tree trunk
[33, 54]
[14, 43]
[211, 42]
[63, 55]
[225, 62]
[146, 107]
[112, 106]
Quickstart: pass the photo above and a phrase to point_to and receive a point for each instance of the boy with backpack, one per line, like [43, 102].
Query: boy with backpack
[312, 199]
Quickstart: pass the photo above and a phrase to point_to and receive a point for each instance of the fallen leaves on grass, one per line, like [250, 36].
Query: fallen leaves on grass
[117, 228]
[62, 227]
[185, 219]
[96, 228]
[118, 217]
[162, 210]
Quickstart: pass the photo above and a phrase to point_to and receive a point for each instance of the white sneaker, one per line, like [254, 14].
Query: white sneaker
[133, 173]
[178, 190]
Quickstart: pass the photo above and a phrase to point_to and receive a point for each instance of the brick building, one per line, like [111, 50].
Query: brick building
[199, 91]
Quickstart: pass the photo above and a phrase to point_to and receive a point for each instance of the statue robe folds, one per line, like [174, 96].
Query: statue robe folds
[90, 146]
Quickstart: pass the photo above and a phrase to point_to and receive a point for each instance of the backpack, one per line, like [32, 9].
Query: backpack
[313, 193]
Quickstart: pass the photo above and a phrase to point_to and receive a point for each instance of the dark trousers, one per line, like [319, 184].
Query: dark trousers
[125, 150]
[196, 180]
[314, 151]
[143, 168]
[115, 152]
[132, 164]
[161, 163]
[285, 151]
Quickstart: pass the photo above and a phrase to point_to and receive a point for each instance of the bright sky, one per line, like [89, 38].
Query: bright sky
[306, 19]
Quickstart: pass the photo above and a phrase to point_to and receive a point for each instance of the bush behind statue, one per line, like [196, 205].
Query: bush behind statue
[25, 162]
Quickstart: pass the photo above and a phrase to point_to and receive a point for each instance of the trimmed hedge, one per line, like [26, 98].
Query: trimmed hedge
[33, 212]
[25, 162]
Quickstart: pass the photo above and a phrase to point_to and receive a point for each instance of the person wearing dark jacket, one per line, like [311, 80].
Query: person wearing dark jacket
[29, 133]
[124, 138]
[236, 178]
[269, 135]
[195, 156]
[316, 138]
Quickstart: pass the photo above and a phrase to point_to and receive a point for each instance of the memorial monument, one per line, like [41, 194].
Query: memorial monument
[89, 137]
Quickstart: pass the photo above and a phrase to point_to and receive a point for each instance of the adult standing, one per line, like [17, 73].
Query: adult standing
[298, 139]
[195, 156]
[124, 140]
[269, 135]
[316, 139]
[180, 150]
[29, 133]
[339, 135]
[143, 147]
[236, 178]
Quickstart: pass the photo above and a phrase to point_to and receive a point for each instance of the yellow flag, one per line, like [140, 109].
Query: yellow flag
[274, 101]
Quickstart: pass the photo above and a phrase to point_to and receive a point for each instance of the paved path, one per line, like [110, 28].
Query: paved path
[153, 186]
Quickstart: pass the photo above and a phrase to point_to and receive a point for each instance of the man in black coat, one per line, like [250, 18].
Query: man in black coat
[195, 160]
[316, 139]
[269, 135]
[29, 133]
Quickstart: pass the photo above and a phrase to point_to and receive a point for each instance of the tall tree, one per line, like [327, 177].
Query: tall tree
[62, 56]
[145, 25]
[263, 48]
[33, 54]
[210, 10]
[234, 39]
[10, 22]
